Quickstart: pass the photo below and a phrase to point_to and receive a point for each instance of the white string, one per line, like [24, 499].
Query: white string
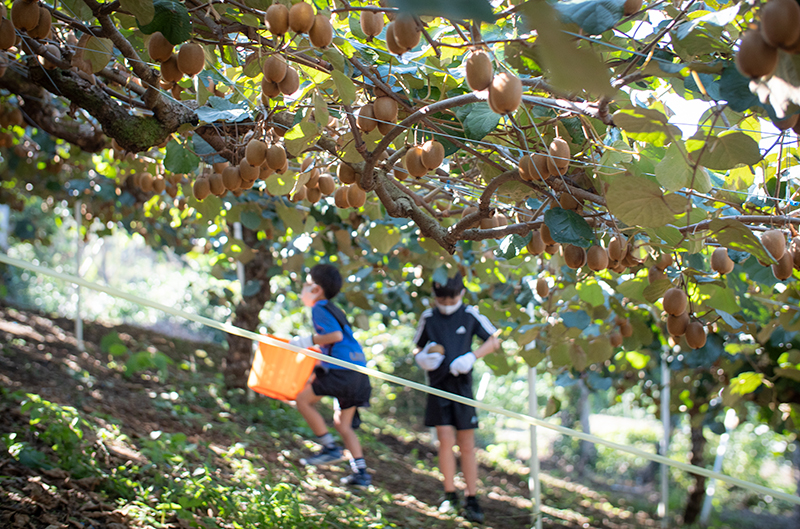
[228, 328]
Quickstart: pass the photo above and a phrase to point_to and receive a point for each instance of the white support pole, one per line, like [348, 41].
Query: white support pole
[5, 215]
[730, 423]
[78, 259]
[534, 485]
[663, 506]
[237, 233]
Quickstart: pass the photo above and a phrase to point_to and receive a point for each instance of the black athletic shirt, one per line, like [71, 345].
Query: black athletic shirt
[454, 333]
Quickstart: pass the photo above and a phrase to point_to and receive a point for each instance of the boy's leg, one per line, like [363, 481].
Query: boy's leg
[343, 422]
[469, 465]
[306, 404]
[447, 459]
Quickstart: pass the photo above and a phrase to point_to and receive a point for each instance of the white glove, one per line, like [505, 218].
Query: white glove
[428, 361]
[302, 341]
[462, 365]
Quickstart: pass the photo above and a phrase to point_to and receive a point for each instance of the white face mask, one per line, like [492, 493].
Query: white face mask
[308, 297]
[448, 309]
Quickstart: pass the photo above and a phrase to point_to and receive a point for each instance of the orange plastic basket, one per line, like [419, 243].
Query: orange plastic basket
[278, 372]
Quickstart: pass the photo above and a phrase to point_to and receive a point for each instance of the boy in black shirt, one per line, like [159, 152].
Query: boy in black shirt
[452, 325]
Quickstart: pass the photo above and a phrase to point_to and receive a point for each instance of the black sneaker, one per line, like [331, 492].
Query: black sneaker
[450, 504]
[326, 456]
[473, 511]
[357, 479]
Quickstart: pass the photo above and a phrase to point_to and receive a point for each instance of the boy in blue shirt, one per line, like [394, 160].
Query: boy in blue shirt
[350, 389]
[452, 325]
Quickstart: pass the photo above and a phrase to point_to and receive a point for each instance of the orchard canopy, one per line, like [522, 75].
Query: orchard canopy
[527, 145]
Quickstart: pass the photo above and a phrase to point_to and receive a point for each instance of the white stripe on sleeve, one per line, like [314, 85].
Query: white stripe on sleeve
[482, 320]
[423, 318]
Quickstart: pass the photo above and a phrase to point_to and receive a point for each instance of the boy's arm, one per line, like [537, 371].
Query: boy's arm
[317, 339]
[489, 346]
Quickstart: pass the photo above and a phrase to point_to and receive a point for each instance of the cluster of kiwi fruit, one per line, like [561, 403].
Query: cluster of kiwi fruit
[300, 18]
[28, 16]
[779, 29]
[371, 23]
[190, 59]
[259, 162]
[156, 184]
[403, 34]
[542, 242]
[315, 186]
[496, 219]
[279, 78]
[505, 89]
[380, 114]
[540, 166]
[787, 258]
[420, 159]
[623, 329]
[679, 323]
[350, 194]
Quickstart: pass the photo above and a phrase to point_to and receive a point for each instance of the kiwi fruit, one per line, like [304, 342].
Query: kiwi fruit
[391, 42]
[505, 93]
[385, 109]
[255, 152]
[269, 89]
[488, 223]
[191, 59]
[53, 50]
[479, 70]
[301, 17]
[231, 178]
[536, 244]
[170, 71]
[558, 161]
[42, 29]
[545, 232]
[780, 23]
[574, 256]
[313, 195]
[371, 23]
[146, 182]
[248, 172]
[775, 243]
[406, 33]
[313, 178]
[366, 118]
[675, 301]
[201, 188]
[277, 19]
[284, 167]
[615, 338]
[676, 325]
[413, 162]
[654, 274]
[321, 33]
[438, 348]
[159, 48]
[664, 261]
[617, 248]
[526, 168]
[340, 198]
[631, 6]
[291, 83]
[276, 157]
[399, 172]
[500, 220]
[326, 184]
[265, 171]
[25, 15]
[298, 195]
[356, 196]
[783, 269]
[274, 68]
[695, 335]
[346, 174]
[159, 184]
[567, 201]
[541, 170]
[7, 34]
[720, 262]
[796, 257]
[552, 249]
[755, 58]
[432, 154]
[625, 328]
[542, 288]
[596, 258]
[787, 123]
[469, 210]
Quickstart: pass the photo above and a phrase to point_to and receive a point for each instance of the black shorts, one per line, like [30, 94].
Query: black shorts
[350, 388]
[442, 412]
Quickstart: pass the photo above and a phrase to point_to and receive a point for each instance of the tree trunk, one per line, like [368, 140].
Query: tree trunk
[237, 362]
[697, 492]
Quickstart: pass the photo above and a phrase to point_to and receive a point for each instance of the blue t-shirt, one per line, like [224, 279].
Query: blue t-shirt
[348, 349]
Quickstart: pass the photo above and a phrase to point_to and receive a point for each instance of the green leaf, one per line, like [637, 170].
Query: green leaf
[222, 109]
[637, 201]
[293, 218]
[792, 373]
[723, 152]
[559, 354]
[237, 249]
[734, 235]
[746, 383]
[553, 406]
[383, 237]
[179, 159]
[591, 293]
[728, 318]
[672, 172]
[321, 112]
[480, 10]
[593, 16]
[511, 245]
[300, 137]
[171, 19]
[478, 119]
[143, 10]
[98, 52]
[655, 290]
[532, 356]
[345, 87]
[636, 359]
[572, 69]
[633, 288]
[78, 9]
[567, 227]
[646, 125]
[250, 219]
[280, 184]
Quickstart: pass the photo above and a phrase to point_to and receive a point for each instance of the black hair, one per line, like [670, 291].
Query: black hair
[327, 277]
[451, 289]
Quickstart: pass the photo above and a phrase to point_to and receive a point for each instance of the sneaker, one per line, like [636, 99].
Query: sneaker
[326, 456]
[357, 479]
[450, 504]
[473, 511]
